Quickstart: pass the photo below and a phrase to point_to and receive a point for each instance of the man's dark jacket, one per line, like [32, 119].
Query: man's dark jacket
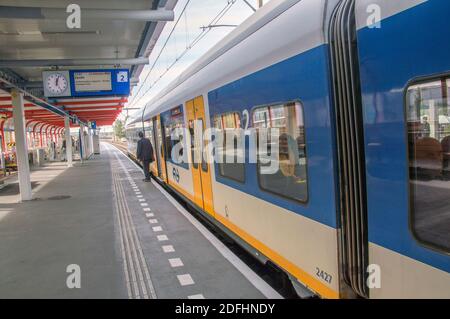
[145, 150]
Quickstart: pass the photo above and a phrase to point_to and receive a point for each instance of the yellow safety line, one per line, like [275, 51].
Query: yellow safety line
[305, 278]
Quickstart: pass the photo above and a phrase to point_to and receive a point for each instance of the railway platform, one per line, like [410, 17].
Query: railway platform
[98, 231]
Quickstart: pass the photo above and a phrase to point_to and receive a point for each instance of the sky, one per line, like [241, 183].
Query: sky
[198, 13]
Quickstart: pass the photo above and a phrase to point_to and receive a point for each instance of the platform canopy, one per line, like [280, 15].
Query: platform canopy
[113, 34]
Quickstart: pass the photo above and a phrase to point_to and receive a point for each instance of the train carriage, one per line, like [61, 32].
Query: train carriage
[359, 90]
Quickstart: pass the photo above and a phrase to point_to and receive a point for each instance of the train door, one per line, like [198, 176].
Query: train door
[407, 132]
[399, 130]
[149, 129]
[155, 140]
[201, 170]
[160, 149]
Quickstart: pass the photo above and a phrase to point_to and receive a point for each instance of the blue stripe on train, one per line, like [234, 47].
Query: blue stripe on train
[390, 57]
[305, 78]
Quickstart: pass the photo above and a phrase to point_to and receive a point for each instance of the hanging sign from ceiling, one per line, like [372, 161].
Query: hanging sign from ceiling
[93, 125]
[86, 83]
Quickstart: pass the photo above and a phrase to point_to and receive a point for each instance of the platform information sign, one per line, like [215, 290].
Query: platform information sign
[92, 81]
[86, 83]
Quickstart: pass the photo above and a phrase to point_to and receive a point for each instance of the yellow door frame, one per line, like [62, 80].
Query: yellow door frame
[160, 145]
[201, 172]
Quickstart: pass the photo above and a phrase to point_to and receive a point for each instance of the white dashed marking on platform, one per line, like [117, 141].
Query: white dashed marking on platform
[176, 262]
[144, 204]
[157, 229]
[153, 221]
[162, 238]
[168, 249]
[148, 215]
[147, 209]
[139, 196]
[249, 274]
[185, 280]
[141, 199]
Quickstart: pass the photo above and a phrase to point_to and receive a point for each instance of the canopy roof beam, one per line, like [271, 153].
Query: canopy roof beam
[71, 62]
[13, 12]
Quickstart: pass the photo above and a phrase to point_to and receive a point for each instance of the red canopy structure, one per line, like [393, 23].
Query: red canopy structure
[103, 110]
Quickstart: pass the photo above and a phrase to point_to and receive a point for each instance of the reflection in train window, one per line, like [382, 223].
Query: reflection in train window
[148, 132]
[202, 146]
[191, 127]
[428, 115]
[290, 180]
[132, 137]
[172, 120]
[228, 124]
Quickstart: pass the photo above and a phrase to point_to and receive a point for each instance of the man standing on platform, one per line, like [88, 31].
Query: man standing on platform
[145, 154]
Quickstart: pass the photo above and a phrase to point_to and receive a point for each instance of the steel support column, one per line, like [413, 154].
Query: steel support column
[68, 141]
[21, 145]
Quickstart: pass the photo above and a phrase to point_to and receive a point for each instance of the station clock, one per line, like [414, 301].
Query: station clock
[56, 83]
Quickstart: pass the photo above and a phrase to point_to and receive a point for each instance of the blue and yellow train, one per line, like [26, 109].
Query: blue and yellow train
[363, 86]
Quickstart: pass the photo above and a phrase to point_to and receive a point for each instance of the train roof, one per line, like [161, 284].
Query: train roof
[236, 55]
[135, 117]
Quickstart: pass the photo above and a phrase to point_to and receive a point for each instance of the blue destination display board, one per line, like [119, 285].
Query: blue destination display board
[83, 83]
[99, 82]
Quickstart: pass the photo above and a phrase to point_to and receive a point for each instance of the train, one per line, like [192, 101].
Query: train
[360, 205]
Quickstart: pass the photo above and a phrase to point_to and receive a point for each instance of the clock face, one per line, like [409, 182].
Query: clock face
[56, 83]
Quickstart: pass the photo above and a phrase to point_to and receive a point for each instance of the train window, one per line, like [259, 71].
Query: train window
[428, 116]
[172, 120]
[290, 180]
[196, 132]
[204, 163]
[193, 148]
[235, 170]
[148, 130]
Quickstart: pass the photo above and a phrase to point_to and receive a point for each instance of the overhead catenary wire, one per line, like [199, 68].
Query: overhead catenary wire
[196, 40]
[186, 28]
[192, 44]
[162, 50]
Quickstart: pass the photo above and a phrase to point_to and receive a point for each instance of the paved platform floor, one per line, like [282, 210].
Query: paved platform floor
[127, 237]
